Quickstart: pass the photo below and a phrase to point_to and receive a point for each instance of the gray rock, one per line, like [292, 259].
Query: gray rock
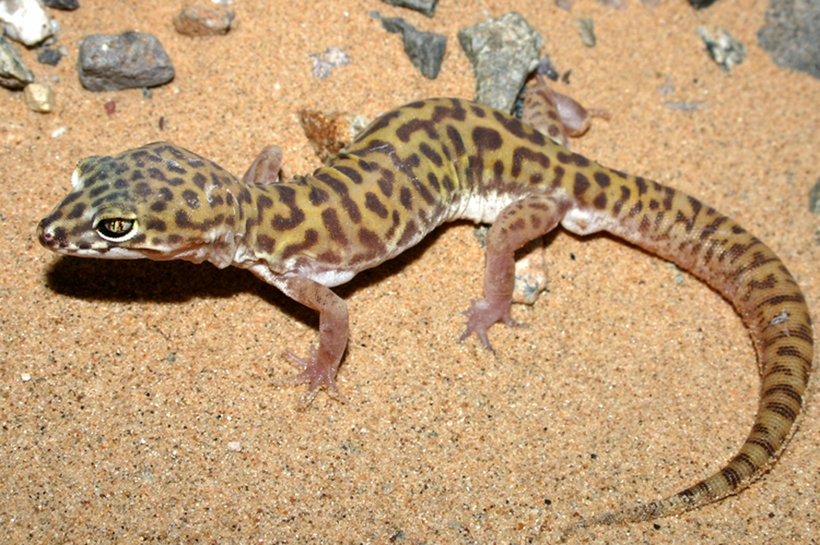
[196, 21]
[14, 74]
[425, 49]
[792, 35]
[427, 7]
[724, 50]
[49, 56]
[814, 198]
[129, 60]
[65, 5]
[322, 65]
[502, 51]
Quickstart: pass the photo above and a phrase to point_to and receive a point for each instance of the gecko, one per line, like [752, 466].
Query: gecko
[411, 170]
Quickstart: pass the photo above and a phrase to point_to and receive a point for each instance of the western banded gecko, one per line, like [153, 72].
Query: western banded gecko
[411, 170]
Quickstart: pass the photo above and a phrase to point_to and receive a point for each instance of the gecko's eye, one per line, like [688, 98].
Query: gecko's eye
[116, 229]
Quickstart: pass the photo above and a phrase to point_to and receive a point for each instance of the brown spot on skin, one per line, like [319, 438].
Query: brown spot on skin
[667, 200]
[432, 180]
[406, 198]
[580, 186]
[199, 180]
[317, 196]
[519, 129]
[641, 185]
[521, 154]
[265, 243]
[311, 238]
[410, 231]
[431, 154]
[486, 139]
[478, 111]
[456, 112]
[191, 198]
[625, 194]
[405, 132]
[372, 241]
[333, 226]
[635, 210]
[156, 224]
[183, 220]
[287, 196]
[158, 206]
[75, 213]
[602, 179]
[351, 173]
[573, 158]
[599, 201]
[372, 203]
[458, 143]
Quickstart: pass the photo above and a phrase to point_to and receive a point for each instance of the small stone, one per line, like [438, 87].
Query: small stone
[110, 107]
[25, 377]
[791, 35]
[14, 74]
[49, 56]
[65, 5]
[129, 60]
[330, 132]
[322, 65]
[700, 4]
[724, 50]
[587, 31]
[425, 49]
[234, 446]
[25, 21]
[503, 52]
[427, 7]
[195, 21]
[814, 198]
[39, 98]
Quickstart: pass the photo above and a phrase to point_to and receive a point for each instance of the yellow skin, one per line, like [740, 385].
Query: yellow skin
[411, 170]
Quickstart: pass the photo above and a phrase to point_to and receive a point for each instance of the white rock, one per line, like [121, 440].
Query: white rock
[25, 21]
[39, 98]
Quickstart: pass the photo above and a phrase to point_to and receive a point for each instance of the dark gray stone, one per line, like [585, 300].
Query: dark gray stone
[814, 198]
[129, 60]
[14, 74]
[425, 49]
[65, 5]
[792, 34]
[427, 7]
[49, 56]
[503, 52]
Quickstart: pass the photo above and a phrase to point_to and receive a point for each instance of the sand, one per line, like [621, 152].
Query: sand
[139, 400]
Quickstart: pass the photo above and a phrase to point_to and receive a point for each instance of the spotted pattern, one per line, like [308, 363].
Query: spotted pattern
[411, 170]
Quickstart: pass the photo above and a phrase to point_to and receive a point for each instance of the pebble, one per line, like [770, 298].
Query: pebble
[425, 49]
[14, 74]
[329, 132]
[586, 30]
[322, 65]
[427, 7]
[791, 35]
[26, 21]
[503, 52]
[814, 198]
[724, 50]
[195, 21]
[49, 56]
[128, 60]
[65, 5]
[39, 98]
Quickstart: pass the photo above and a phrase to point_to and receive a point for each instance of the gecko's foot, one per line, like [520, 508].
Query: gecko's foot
[482, 315]
[316, 375]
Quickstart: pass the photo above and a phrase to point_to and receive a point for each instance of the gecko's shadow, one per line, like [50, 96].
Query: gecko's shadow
[174, 282]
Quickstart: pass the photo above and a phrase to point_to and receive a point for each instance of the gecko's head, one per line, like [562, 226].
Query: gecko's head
[158, 201]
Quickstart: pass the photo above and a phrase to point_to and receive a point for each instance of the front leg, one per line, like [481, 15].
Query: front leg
[517, 224]
[319, 369]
